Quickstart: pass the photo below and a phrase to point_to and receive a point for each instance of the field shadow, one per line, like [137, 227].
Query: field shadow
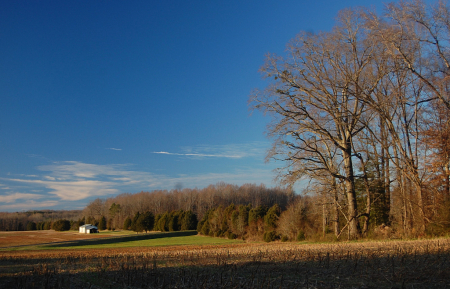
[120, 239]
[390, 271]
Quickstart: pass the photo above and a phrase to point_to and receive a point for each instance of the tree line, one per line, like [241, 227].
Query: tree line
[172, 210]
[363, 111]
[166, 205]
[34, 220]
[168, 222]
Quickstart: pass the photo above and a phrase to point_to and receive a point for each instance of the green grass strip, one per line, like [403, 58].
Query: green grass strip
[137, 240]
[166, 241]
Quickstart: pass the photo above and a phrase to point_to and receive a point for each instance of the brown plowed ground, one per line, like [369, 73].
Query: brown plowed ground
[22, 238]
[384, 264]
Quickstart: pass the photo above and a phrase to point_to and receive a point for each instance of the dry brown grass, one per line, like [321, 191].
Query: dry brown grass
[393, 264]
[21, 238]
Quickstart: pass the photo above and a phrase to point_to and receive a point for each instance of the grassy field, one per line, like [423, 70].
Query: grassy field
[153, 242]
[189, 261]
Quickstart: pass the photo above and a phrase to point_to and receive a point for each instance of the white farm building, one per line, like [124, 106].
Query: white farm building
[88, 229]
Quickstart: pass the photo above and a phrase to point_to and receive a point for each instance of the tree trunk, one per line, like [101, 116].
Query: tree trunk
[387, 190]
[385, 170]
[368, 200]
[354, 229]
[337, 229]
[446, 194]
[324, 219]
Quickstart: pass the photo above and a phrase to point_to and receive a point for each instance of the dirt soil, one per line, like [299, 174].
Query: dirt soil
[384, 264]
[22, 238]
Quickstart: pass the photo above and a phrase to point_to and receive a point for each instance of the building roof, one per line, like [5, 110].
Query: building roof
[89, 226]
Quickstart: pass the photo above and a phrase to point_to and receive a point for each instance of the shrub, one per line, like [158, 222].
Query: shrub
[163, 222]
[188, 221]
[271, 218]
[145, 222]
[133, 225]
[257, 213]
[284, 238]
[75, 225]
[61, 225]
[173, 222]
[300, 235]
[270, 236]
[47, 225]
[200, 226]
[127, 223]
[205, 229]
[31, 226]
[40, 226]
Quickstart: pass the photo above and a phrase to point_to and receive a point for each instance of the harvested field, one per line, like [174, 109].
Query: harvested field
[393, 264]
[22, 238]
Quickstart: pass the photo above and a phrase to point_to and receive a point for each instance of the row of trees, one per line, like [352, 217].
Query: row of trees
[197, 201]
[302, 219]
[363, 111]
[244, 222]
[167, 222]
[58, 225]
[170, 221]
[34, 220]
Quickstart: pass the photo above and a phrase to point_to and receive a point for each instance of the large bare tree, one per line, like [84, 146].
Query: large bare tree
[419, 35]
[315, 98]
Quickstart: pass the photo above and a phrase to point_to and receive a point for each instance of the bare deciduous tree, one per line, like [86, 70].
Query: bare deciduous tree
[419, 34]
[315, 98]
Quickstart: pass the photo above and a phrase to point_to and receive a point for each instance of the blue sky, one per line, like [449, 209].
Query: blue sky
[100, 98]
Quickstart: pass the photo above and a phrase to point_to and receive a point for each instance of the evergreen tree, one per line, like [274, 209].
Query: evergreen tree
[127, 224]
[47, 225]
[31, 226]
[271, 218]
[134, 223]
[146, 222]
[163, 223]
[257, 213]
[102, 223]
[109, 225]
[188, 221]
[61, 225]
[173, 221]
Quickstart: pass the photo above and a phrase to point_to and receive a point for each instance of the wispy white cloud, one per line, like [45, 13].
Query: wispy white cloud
[235, 151]
[199, 155]
[70, 182]
[70, 170]
[114, 149]
[74, 190]
[10, 198]
[238, 177]
[74, 181]
[29, 205]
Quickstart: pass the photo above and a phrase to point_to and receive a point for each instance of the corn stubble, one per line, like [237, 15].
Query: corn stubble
[406, 264]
